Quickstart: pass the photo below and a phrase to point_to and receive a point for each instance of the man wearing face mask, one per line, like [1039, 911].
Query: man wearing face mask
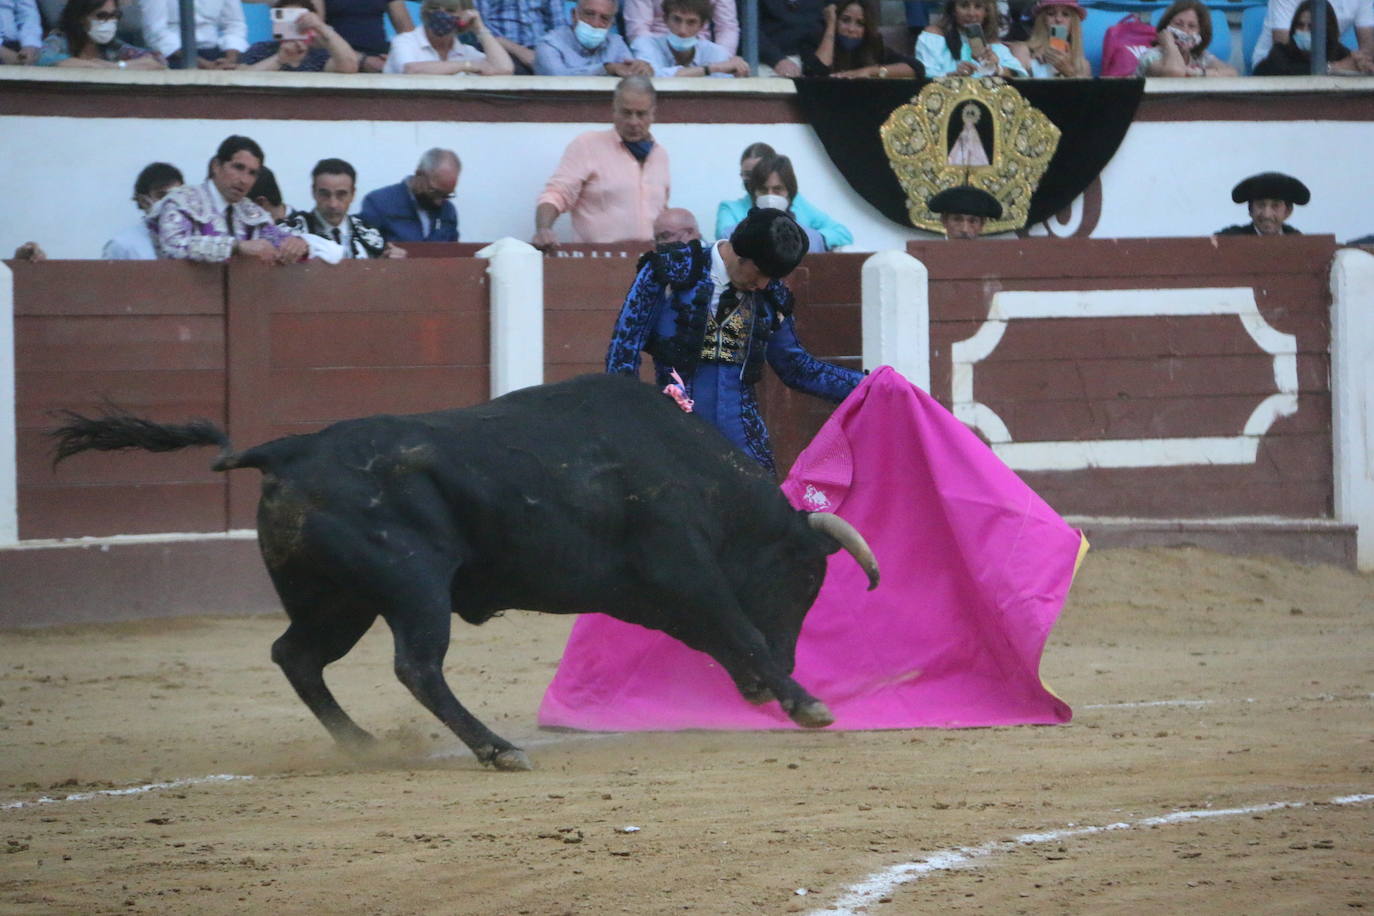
[964, 210]
[1270, 197]
[711, 317]
[587, 47]
[135, 243]
[435, 48]
[418, 208]
[613, 182]
[684, 50]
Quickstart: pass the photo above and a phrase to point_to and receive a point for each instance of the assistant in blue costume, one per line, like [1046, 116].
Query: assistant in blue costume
[715, 314]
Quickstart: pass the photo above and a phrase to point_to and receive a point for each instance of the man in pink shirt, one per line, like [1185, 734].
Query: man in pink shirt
[614, 182]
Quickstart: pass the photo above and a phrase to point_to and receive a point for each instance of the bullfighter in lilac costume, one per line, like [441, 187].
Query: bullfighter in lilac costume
[714, 315]
[214, 221]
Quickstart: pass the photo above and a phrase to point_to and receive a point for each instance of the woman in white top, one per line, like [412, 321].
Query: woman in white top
[1055, 46]
[1184, 32]
[943, 49]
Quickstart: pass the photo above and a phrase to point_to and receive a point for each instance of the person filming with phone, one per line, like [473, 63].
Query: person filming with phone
[1055, 46]
[963, 43]
[302, 43]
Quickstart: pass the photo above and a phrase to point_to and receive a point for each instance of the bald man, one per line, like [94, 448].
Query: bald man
[675, 226]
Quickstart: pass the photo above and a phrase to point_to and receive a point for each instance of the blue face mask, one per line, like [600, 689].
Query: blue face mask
[588, 36]
[848, 43]
[441, 22]
[1303, 40]
[678, 43]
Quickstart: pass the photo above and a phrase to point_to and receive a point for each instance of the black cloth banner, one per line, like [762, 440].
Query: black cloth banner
[1092, 117]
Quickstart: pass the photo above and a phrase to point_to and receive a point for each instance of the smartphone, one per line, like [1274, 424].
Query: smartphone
[284, 26]
[1059, 37]
[973, 35]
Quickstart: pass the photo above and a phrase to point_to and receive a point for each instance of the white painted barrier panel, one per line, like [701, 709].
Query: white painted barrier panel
[1352, 395]
[517, 314]
[9, 470]
[896, 315]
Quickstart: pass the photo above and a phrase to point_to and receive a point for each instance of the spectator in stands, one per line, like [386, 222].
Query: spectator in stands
[325, 49]
[1270, 197]
[964, 210]
[684, 50]
[772, 185]
[30, 251]
[1294, 58]
[1047, 55]
[613, 182]
[947, 47]
[221, 34]
[266, 193]
[85, 37]
[419, 208]
[648, 17]
[21, 32]
[1358, 14]
[216, 221]
[333, 183]
[675, 226]
[362, 25]
[587, 46]
[1183, 34]
[787, 28]
[436, 48]
[852, 47]
[520, 24]
[731, 212]
[135, 243]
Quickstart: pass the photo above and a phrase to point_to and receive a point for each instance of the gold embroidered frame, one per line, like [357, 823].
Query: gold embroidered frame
[917, 139]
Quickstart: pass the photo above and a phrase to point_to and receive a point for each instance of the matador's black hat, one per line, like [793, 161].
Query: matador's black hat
[772, 240]
[967, 200]
[1271, 186]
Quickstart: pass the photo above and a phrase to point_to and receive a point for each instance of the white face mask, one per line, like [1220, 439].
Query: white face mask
[772, 202]
[102, 33]
[1185, 39]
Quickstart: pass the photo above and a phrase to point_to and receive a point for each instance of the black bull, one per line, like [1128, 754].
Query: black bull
[595, 494]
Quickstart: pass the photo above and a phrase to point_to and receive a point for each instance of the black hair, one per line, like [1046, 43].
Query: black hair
[72, 23]
[234, 143]
[772, 240]
[266, 186]
[156, 175]
[333, 167]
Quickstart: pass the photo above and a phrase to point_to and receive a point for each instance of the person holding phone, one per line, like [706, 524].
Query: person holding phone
[964, 43]
[302, 43]
[1055, 46]
[1183, 34]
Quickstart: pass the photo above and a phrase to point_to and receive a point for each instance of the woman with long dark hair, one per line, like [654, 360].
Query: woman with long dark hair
[85, 37]
[851, 46]
[1294, 57]
[964, 43]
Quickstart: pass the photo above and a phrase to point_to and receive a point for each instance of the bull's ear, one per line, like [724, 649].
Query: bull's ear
[848, 537]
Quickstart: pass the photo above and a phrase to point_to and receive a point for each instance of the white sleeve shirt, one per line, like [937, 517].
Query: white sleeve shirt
[219, 24]
[413, 47]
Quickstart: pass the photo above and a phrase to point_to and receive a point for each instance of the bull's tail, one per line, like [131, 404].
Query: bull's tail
[116, 430]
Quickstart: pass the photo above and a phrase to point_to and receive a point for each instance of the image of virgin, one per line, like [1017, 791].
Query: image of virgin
[969, 134]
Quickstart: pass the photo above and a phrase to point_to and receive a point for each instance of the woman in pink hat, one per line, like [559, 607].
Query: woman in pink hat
[1055, 46]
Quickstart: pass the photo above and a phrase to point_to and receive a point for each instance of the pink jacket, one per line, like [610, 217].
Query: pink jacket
[611, 196]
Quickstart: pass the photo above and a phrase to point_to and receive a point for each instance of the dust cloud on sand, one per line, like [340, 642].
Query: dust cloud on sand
[1265, 666]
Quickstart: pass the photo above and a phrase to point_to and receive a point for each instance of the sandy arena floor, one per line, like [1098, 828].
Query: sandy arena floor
[1200, 684]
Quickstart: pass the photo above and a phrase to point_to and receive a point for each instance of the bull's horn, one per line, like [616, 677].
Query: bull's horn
[850, 540]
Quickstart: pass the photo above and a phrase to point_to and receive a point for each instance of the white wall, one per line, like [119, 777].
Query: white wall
[66, 182]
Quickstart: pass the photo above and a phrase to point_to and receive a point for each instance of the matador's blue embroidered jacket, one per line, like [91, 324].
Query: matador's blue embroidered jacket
[719, 353]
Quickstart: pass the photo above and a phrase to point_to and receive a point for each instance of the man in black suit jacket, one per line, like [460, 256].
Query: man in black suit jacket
[333, 183]
[419, 208]
[1270, 197]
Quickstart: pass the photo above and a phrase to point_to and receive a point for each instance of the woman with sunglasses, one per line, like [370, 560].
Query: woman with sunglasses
[85, 37]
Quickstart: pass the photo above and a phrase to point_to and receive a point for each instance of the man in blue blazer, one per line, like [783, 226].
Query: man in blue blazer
[418, 208]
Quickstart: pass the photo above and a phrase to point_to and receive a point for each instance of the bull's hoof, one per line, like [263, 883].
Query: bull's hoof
[814, 714]
[757, 694]
[512, 759]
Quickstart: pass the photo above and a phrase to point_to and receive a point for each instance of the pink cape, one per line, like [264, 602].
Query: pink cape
[975, 568]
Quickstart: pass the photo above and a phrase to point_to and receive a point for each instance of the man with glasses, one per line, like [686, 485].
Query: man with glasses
[419, 208]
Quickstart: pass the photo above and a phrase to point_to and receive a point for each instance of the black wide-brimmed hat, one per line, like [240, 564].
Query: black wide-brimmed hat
[967, 200]
[772, 240]
[1271, 186]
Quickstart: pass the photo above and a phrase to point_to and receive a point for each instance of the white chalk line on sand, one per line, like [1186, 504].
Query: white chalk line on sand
[1143, 704]
[131, 790]
[880, 884]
